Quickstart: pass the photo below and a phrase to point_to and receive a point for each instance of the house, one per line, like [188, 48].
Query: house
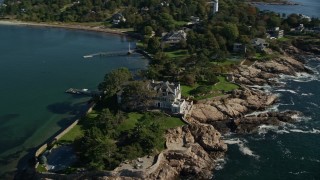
[239, 47]
[144, 9]
[118, 18]
[168, 97]
[193, 20]
[174, 37]
[305, 17]
[298, 29]
[259, 44]
[275, 33]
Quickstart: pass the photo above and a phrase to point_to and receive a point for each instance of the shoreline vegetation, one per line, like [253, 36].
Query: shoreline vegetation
[192, 150]
[274, 2]
[72, 26]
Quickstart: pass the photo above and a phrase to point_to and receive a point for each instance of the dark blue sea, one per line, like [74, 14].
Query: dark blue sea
[291, 151]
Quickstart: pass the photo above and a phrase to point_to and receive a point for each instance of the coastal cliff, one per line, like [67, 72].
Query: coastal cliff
[193, 150]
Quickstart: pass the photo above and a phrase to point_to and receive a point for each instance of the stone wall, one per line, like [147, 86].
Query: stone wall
[44, 147]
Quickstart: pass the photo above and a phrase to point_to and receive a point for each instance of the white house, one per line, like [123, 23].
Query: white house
[168, 97]
[118, 18]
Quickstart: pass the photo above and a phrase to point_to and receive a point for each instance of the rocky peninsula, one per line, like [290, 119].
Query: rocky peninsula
[195, 149]
[229, 113]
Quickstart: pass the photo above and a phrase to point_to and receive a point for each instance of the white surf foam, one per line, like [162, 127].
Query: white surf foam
[274, 108]
[313, 131]
[220, 163]
[297, 173]
[314, 104]
[302, 77]
[314, 160]
[286, 90]
[307, 94]
[264, 129]
[243, 149]
[266, 88]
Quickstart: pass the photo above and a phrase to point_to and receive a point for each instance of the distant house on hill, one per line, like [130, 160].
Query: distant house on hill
[259, 44]
[275, 33]
[174, 37]
[118, 18]
[298, 29]
[194, 20]
[167, 97]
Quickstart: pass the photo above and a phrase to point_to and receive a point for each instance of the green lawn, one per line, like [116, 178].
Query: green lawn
[165, 122]
[222, 85]
[180, 23]
[177, 54]
[74, 133]
[283, 39]
[65, 7]
[130, 122]
[185, 90]
[41, 168]
[170, 122]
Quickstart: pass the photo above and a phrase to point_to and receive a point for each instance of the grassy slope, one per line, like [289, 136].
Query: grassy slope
[222, 85]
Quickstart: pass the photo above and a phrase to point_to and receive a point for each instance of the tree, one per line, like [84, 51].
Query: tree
[148, 30]
[154, 45]
[114, 80]
[189, 79]
[274, 21]
[231, 31]
[147, 133]
[136, 95]
[98, 150]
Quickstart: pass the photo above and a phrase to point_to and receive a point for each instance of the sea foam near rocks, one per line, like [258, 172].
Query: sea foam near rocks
[286, 90]
[313, 131]
[242, 147]
[220, 163]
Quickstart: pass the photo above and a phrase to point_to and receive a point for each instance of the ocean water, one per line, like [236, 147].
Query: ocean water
[291, 151]
[307, 7]
[36, 66]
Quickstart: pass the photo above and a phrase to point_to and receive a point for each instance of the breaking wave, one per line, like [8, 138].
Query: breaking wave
[288, 104]
[220, 163]
[286, 90]
[242, 147]
[297, 173]
[313, 131]
[274, 108]
[307, 94]
[264, 129]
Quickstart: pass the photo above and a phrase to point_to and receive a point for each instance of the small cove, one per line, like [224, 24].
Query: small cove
[36, 66]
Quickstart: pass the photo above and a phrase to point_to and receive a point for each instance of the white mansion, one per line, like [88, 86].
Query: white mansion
[168, 97]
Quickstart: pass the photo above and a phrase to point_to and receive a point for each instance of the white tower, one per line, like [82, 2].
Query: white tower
[215, 6]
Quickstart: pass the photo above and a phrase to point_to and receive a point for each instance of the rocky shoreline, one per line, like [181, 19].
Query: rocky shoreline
[193, 151]
[231, 113]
